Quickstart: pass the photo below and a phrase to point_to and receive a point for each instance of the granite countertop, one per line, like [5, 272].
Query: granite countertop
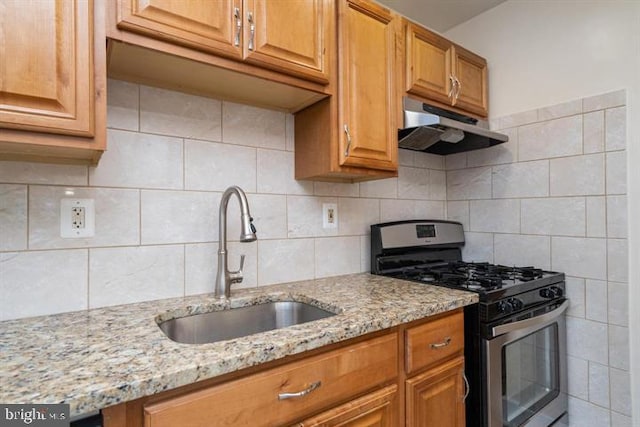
[97, 358]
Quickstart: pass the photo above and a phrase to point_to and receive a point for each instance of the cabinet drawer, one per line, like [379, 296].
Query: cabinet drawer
[434, 341]
[254, 400]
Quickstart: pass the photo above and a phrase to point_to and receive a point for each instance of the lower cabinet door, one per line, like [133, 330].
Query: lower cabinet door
[378, 409]
[435, 398]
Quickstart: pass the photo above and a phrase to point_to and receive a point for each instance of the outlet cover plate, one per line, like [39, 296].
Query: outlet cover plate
[67, 230]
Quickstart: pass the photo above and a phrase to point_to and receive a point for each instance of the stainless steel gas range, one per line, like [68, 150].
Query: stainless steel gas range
[515, 337]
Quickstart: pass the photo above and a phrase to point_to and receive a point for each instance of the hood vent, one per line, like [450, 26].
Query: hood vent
[438, 131]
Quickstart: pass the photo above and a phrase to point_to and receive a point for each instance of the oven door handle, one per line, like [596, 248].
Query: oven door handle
[534, 321]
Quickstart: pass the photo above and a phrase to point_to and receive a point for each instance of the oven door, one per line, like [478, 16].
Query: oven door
[527, 370]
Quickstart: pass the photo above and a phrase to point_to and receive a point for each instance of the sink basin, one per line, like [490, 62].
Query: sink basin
[240, 322]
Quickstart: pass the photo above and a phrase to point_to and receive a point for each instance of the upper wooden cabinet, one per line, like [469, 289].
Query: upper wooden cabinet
[443, 72]
[52, 81]
[352, 136]
[285, 35]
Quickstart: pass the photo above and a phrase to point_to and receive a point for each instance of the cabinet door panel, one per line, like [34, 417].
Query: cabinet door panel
[289, 35]
[367, 73]
[46, 78]
[209, 25]
[428, 64]
[471, 71]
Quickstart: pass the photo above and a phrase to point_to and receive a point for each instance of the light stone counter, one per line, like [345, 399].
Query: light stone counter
[98, 358]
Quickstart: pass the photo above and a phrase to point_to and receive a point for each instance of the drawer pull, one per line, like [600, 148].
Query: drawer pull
[312, 387]
[445, 343]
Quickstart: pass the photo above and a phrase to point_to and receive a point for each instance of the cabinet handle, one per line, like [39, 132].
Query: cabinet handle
[444, 343]
[236, 14]
[459, 88]
[467, 388]
[314, 386]
[252, 29]
[453, 86]
[346, 150]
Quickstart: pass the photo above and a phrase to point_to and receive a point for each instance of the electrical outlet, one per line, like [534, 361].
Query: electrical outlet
[77, 218]
[329, 215]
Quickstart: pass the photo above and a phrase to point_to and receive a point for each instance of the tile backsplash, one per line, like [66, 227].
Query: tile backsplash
[157, 190]
[554, 196]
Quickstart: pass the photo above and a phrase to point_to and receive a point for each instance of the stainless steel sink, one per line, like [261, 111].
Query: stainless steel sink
[240, 322]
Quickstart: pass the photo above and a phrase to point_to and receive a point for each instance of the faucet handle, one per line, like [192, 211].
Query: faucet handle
[236, 276]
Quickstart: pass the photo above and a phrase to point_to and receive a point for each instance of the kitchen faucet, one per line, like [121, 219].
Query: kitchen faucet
[224, 277]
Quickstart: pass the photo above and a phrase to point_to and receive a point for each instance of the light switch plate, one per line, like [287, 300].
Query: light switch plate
[77, 218]
[329, 215]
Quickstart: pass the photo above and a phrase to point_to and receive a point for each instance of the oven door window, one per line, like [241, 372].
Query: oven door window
[530, 378]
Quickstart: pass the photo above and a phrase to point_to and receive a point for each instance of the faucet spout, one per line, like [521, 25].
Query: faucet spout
[224, 277]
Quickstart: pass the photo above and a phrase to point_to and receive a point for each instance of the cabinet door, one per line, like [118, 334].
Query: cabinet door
[368, 131]
[428, 64]
[289, 35]
[208, 25]
[46, 77]
[378, 409]
[471, 71]
[436, 397]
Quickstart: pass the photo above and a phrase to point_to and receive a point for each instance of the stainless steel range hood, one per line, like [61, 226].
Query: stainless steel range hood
[434, 130]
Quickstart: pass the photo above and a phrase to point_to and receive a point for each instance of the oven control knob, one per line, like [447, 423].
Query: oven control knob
[505, 307]
[516, 303]
[547, 293]
[557, 292]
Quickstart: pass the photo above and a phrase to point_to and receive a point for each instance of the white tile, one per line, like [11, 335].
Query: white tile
[618, 300]
[428, 161]
[290, 131]
[212, 166]
[617, 172]
[406, 157]
[570, 108]
[304, 216]
[413, 183]
[275, 174]
[577, 176]
[619, 347]
[365, 253]
[599, 384]
[282, 261]
[337, 255]
[619, 420]
[585, 414]
[596, 300]
[132, 274]
[179, 216]
[521, 250]
[585, 339]
[617, 216]
[606, 100]
[496, 216]
[478, 247]
[257, 127]
[380, 188]
[43, 173]
[593, 138]
[122, 105]
[13, 217]
[578, 376]
[117, 217]
[579, 257]
[576, 294]
[615, 128]
[554, 216]
[528, 179]
[179, 114]
[596, 217]
[455, 161]
[357, 215]
[506, 152]
[437, 185]
[39, 283]
[140, 161]
[397, 210]
[429, 209]
[336, 189]
[459, 211]
[617, 260]
[553, 138]
[466, 184]
[620, 391]
[518, 119]
[269, 214]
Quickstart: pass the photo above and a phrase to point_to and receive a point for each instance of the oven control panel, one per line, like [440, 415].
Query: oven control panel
[520, 303]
